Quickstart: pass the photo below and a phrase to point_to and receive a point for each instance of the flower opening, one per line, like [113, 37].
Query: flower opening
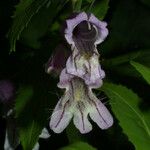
[81, 74]
[79, 103]
[85, 31]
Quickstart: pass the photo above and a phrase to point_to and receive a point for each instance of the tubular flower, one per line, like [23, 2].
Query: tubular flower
[87, 68]
[81, 74]
[79, 103]
[83, 33]
[58, 59]
[7, 91]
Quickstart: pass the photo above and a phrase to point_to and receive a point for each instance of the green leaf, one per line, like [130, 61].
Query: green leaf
[77, 5]
[25, 10]
[135, 124]
[24, 95]
[21, 6]
[121, 64]
[31, 105]
[143, 70]
[100, 8]
[79, 146]
[29, 135]
[123, 58]
[41, 23]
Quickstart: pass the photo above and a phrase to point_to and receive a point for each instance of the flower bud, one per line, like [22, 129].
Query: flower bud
[57, 61]
[7, 91]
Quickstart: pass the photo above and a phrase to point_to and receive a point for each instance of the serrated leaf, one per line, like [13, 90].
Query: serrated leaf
[135, 124]
[30, 114]
[100, 8]
[121, 64]
[29, 133]
[143, 70]
[79, 146]
[41, 23]
[24, 12]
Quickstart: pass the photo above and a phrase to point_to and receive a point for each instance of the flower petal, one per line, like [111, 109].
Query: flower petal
[71, 23]
[87, 69]
[60, 117]
[36, 146]
[44, 134]
[96, 74]
[101, 26]
[81, 121]
[64, 79]
[76, 65]
[100, 114]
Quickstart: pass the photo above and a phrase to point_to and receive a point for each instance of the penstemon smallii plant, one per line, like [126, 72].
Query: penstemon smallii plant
[81, 74]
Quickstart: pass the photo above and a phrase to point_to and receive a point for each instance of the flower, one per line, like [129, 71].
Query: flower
[81, 74]
[7, 91]
[44, 135]
[11, 134]
[85, 67]
[58, 59]
[85, 31]
[78, 102]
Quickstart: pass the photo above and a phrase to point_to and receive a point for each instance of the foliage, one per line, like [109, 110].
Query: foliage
[78, 146]
[100, 9]
[25, 10]
[33, 32]
[134, 122]
[143, 70]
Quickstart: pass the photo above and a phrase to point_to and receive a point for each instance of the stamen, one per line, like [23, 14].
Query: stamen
[89, 25]
[95, 29]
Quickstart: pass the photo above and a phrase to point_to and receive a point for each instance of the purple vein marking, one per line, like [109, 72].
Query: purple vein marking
[62, 114]
[83, 125]
[99, 113]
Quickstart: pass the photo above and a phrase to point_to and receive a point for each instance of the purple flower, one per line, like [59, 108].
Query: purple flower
[58, 60]
[87, 68]
[79, 103]
[82, 73]
[7, 91]
[85, 31]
